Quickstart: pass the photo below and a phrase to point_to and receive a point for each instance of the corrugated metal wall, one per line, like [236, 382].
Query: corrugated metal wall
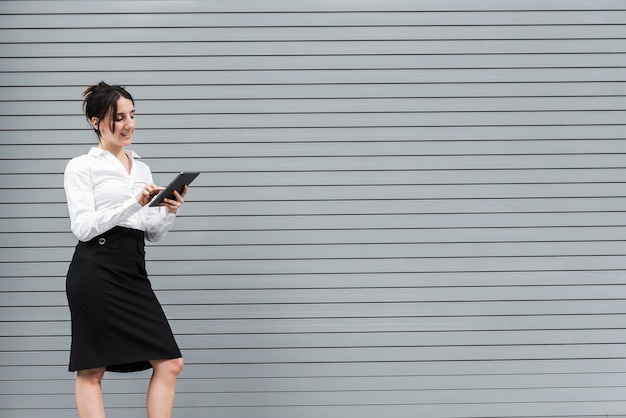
[407, 208]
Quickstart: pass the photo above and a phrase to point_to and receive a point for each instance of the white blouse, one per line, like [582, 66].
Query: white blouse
[101, 194]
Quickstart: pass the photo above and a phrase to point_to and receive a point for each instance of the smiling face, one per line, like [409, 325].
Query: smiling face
[116, 131]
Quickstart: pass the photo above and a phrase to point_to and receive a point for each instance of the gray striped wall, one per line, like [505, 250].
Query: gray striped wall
[407, 208]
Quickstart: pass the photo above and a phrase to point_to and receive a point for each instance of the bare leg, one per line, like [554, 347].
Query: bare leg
[160, 399]
[89, 393]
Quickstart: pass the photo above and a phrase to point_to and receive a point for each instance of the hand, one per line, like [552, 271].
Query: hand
[149, 191]
[172, 205]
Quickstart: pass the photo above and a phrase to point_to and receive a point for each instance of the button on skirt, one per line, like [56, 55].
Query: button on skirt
[117, 321]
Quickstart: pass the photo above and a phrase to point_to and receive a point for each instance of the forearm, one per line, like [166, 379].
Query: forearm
[87, 223]
[159, 223]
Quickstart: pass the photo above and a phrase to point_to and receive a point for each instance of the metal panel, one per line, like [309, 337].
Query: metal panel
[439, 92]
[28, 24]
[410, 208]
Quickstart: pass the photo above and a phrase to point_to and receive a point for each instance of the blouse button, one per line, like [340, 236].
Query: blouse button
[102, 241]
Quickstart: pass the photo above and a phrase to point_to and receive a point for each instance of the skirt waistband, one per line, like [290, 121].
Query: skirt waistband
[117, 232]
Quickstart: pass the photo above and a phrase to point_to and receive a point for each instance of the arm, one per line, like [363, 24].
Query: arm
[162, 218]
[86, 221]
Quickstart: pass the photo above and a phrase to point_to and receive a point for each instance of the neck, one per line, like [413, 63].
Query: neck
[117, 151]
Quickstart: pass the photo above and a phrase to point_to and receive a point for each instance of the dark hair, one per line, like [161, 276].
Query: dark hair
[102, 98]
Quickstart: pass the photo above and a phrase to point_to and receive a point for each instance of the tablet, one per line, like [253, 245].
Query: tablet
[183, 178]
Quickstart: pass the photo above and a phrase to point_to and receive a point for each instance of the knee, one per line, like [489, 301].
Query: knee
[91, 376]
[172, 367]
[177, 366]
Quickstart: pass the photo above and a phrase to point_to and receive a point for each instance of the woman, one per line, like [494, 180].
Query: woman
[117, 322]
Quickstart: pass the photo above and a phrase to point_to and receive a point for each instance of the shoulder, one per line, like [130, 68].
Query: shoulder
[80, 163]
[86, 161]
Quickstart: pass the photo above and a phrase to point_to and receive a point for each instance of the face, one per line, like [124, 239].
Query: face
[124, 126]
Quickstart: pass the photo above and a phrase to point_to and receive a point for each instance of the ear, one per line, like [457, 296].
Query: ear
[95, 122]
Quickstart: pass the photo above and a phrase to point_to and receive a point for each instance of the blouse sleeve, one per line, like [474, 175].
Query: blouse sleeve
[86, 221]
[160, 222]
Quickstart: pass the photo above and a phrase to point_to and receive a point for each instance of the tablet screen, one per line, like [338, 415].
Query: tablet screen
[179, 182]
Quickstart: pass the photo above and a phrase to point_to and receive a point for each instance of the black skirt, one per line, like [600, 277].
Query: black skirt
[117, 321]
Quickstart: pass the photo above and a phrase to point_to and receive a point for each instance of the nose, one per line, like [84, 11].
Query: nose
[129, 122]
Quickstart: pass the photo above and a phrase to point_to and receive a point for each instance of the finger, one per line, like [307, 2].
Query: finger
[170, 205]
[155, 191]
[179, 197]
[173, 203]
